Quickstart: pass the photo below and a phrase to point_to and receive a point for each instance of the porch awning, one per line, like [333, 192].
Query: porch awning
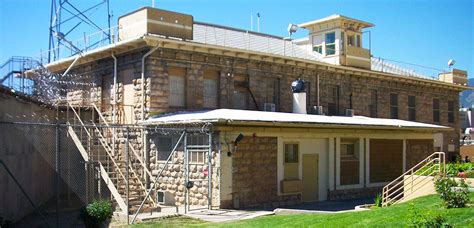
[261, 118]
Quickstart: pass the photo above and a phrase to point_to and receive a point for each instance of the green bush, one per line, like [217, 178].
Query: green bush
[427, 219]
[96, 213]
[454, 194]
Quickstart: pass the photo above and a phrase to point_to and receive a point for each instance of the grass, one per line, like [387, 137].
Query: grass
[394, 216]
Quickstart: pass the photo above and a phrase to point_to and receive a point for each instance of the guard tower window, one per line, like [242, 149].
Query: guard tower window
[318, 44]
[330, 43]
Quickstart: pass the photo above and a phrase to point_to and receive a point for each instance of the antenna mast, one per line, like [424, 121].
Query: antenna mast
[70, 21]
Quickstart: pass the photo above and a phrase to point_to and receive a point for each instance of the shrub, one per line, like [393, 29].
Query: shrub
[454, 194]
[428, 219]
[378, 200]
[96, 213]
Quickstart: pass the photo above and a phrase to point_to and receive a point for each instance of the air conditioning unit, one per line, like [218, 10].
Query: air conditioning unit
[316, 110]
[350, 112]
[269, 107]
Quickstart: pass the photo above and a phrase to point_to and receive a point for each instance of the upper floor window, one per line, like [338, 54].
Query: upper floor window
[211, 89]
[330, 40]
[393, 106]
[450, 111]
[411, 108]
[333, 100]
[373, 103]
[177, 85]
[436, 110]
[318, 44]
[241, 91]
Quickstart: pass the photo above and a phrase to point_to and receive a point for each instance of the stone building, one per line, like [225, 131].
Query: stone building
[164, 62]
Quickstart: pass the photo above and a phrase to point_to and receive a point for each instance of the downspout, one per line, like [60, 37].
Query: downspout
[144, 137]
[114, 109]
[317, 87]
[143, 77]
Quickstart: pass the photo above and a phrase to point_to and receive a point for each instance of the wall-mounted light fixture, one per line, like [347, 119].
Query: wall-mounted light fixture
[236, 142]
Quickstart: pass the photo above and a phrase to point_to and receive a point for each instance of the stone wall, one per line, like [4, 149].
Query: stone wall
[173, 178]
[254, 175]
[356, 193]
[417, 150]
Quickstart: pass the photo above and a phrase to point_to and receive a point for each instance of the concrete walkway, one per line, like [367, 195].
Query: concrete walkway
[228, 215]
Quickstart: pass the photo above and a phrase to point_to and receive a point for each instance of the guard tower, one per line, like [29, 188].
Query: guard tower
[339, 40]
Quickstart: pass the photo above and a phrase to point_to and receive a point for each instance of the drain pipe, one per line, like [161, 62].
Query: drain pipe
[144, 137]
[114, 109]
[143, 77]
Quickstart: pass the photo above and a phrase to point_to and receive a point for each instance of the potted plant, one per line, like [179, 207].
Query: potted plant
[97, 214]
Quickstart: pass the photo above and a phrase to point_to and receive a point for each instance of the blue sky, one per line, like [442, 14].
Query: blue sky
[424, 32]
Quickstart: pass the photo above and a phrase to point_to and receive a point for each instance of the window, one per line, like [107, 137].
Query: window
[241, 91]
[436, 110]
[348, 149]
[349, 161]
[411, 108]
[291, 164]
[343, 35]
[197, 155]
[318, 44]
[330, 43]
[164, 145]
[450, 111]
[358, 41]
[318, 49]
[177, 96]
[373, 103]
[333, 100]
[211, 89]
[393, 106]
[350, 40]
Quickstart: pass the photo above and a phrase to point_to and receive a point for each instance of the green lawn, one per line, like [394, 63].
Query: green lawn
[394, 216]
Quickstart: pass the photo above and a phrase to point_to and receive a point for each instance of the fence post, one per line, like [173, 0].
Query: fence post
[57, 165]
[209, 173]
[127, 160]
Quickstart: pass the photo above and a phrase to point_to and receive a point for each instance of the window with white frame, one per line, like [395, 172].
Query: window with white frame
[177, 91]
[211, 89]
[291, 161]
[318, 44]
[349, 162]
[197, 152]
[330, 40]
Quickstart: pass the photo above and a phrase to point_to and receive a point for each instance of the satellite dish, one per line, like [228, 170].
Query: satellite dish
[451, 62]
[292, 28]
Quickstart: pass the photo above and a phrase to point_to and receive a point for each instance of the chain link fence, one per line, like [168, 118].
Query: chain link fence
[49, 172]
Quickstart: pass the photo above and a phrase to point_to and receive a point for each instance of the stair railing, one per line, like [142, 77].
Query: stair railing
[104, 145]
[395, 192]
[103, 141]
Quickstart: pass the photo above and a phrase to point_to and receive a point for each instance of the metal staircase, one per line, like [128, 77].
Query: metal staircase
[413, 179]
[121, 167]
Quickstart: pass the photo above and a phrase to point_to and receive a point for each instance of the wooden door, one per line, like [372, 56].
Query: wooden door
[310, 178]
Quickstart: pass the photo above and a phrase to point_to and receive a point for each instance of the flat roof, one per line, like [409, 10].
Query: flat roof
[261, 118]
[336, 17]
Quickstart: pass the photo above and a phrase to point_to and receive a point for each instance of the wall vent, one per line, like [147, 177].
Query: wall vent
[269, 107]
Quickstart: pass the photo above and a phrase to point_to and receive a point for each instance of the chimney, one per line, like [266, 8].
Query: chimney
[299, 96]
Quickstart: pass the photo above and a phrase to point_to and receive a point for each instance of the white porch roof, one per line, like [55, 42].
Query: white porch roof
[261, 118]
